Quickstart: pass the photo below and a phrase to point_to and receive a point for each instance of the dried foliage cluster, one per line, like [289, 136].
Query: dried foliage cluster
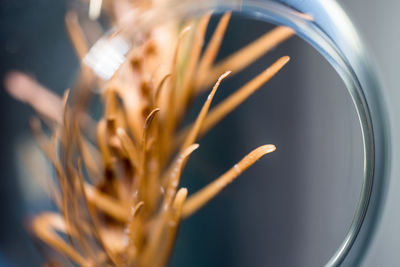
[118, 189]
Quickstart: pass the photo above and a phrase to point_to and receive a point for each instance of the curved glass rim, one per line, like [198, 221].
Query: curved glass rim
[348, 57]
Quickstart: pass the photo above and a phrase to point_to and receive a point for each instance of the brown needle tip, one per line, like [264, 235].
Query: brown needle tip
[253, 156]
[265, 149]
[281, 62]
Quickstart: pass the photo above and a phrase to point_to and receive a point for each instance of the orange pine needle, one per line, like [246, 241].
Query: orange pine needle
[191, 137]
[185, 90]
[173, 224]
[45, 225]
[213, 47]
[200, 198]
[105, 203]
[237, 98]
[42, 100]
[76, 34]
[242, 58]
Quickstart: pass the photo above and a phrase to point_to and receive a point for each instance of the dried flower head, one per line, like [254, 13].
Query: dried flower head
[117, 187]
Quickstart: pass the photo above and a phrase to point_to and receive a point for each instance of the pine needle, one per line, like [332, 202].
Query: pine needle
[25, 89]
[237, 98]
[213, 47]
[106, 204]
[185, 90]
[200, 198]
[44, 226]
[76, 34]
[244, 57]
[191, 137]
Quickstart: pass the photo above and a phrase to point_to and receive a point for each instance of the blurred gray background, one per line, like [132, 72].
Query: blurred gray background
[293, 207]
[379, 24]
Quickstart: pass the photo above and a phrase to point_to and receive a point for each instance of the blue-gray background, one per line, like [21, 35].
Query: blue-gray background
[291, 208]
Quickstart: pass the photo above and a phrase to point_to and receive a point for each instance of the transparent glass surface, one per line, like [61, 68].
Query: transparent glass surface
[316, 200]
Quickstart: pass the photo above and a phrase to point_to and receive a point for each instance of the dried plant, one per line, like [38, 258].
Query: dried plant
[118, 189]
